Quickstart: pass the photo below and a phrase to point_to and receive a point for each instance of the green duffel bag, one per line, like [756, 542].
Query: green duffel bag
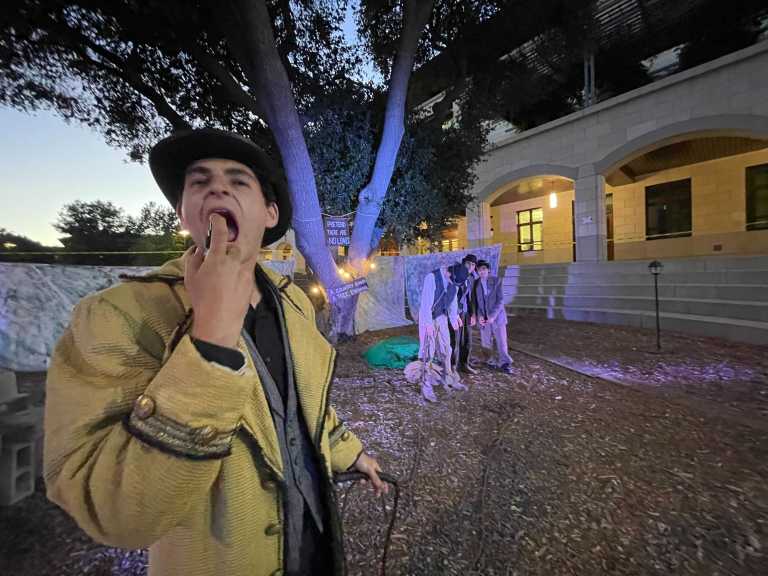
[394, 352]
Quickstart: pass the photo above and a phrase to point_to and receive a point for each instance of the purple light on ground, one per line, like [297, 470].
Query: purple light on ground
[672, 371]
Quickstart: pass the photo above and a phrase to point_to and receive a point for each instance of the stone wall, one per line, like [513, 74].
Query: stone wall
[718, 202]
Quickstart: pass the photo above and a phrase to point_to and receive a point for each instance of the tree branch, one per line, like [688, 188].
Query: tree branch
[371, 198]
[210, 64]
[162, 106]
[121, 70]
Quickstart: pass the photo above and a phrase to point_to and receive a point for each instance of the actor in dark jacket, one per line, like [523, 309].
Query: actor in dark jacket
[461, 339]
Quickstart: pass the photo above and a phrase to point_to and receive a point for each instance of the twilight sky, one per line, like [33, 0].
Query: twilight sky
[46, 163]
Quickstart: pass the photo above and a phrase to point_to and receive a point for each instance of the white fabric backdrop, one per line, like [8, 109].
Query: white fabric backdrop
[36, 302]
[383, 305]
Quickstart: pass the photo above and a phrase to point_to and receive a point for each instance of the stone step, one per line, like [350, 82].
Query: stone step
[728, 328]
[756, 277]
[674, 265]
[745, 292]
[736, 309]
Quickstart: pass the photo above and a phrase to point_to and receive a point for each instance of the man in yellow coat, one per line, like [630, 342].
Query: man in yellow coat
[187, 410]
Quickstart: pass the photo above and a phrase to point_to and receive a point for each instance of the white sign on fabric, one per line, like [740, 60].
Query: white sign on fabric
[348, 290]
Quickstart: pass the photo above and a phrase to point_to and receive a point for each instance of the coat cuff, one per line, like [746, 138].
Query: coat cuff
[192, 408]
[345, 448]
[227, 357]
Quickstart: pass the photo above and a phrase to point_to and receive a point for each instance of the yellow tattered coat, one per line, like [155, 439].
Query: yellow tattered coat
[199, 516]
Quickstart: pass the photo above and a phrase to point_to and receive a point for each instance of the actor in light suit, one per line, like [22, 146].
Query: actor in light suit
[491, 316]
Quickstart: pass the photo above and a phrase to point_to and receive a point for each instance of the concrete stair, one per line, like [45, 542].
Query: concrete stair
[725, 296]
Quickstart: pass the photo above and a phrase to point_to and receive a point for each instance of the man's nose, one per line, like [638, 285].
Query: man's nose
[218, 187]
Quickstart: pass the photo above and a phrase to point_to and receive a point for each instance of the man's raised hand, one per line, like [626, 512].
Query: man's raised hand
[220, 286]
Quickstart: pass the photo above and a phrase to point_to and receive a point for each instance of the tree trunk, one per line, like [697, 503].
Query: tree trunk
[253, 45]
[343, 318]
[248, 29]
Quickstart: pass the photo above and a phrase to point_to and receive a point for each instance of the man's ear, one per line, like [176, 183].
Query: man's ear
[273, 215]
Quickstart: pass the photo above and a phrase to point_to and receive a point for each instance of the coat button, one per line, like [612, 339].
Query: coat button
[206, 434]
[143, 407]
[273, 530]
[346, 436]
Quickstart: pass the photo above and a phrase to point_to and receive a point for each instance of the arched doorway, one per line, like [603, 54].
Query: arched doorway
[532, 218]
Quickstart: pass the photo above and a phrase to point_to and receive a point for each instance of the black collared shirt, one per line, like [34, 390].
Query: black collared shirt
[263, 325]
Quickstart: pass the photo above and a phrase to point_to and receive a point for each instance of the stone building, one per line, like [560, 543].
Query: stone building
[673, 169]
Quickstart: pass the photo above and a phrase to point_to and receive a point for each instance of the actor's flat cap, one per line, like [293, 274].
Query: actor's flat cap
[169, 159]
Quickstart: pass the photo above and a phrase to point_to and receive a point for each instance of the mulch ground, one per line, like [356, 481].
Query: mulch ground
[545, 471]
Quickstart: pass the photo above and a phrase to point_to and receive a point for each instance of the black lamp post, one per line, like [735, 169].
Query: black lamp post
[655, 268]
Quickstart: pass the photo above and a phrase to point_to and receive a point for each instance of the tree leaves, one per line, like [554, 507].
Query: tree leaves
[100, 225]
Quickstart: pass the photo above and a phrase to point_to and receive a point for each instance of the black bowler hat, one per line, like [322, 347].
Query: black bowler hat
[469, 258]
[169, 159]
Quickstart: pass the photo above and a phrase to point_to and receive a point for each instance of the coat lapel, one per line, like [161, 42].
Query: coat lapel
[257, 418]
[313, 361]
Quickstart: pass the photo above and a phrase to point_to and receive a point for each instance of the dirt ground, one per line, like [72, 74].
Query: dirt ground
[542, 472]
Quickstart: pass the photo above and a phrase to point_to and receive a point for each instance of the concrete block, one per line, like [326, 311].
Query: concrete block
[585, 171]
[741, 103]
[602, 128]
[17, 472]
[610, 141]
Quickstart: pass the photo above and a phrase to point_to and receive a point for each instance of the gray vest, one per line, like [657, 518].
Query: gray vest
[302, 476]
[443, 296]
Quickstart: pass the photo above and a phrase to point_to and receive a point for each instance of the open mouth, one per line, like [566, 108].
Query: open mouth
[232, 225]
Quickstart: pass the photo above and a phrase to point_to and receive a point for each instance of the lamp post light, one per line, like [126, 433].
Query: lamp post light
[655, 268]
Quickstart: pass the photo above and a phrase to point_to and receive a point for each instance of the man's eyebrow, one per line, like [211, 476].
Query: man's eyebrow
[201, 170]
[204, 171]
[239, 172]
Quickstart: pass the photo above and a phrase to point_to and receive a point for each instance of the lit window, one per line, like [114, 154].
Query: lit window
[529, 229]
[449, 245]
